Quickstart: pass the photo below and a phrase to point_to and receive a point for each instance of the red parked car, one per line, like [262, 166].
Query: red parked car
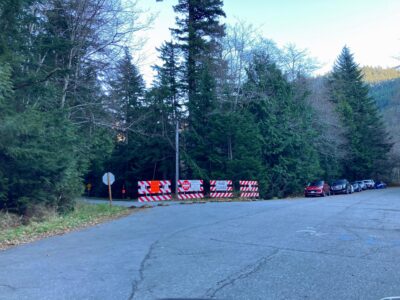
[317, 188]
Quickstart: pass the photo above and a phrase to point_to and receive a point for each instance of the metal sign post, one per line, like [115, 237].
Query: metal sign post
[109, 189]
[176, 157]
[108, 179]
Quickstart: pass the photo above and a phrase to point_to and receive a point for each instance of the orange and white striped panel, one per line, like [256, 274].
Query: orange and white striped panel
[221, 195]
[190, 196]
[154, 198]
[154, 190]
[249, 189]
[221, 189]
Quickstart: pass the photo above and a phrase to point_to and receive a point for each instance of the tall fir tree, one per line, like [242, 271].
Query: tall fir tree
[199, 33]
[367, 143]
[127, 94]
[285, 127]
[168, 81]
[127, 103]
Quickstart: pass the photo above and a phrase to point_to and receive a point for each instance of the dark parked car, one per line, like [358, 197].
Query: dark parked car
[317, 188]
[362, 184]
[356, 186]
[369, 183]
[341, 186]
[380, 185]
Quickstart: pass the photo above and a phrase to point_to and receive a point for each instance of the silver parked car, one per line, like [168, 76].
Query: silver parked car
[356, 186]
[362, 184]
[369, 183]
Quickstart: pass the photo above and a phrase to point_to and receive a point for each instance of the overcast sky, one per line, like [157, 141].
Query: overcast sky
[371, 28]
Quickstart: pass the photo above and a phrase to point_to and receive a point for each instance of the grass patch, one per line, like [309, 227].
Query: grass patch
[13, 232]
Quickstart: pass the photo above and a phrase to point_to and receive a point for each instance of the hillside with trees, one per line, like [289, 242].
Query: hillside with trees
[386, 93]
[74, 103]
[374, 75]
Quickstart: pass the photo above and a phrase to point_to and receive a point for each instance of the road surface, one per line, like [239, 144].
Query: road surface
[339, 247]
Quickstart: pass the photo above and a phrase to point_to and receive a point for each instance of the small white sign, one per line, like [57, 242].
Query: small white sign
[108, 175]
[191, 185]
[221, 185]
[195, 186]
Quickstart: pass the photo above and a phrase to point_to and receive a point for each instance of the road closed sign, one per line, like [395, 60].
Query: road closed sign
[190, 189]
[221, 185]
[186, 185]
[221, 188]
[196, 186]
[190, 186]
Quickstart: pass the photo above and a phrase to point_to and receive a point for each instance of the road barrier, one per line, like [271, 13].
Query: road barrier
[221, 189]
[160, 190]
[249, 189]
[154, 190]
[190, 189]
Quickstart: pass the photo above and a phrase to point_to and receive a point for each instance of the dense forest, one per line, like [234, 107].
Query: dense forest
[386, 93]
[73, 104]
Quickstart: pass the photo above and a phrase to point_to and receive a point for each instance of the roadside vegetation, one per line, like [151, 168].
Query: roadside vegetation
[43, 222]
[74, 104]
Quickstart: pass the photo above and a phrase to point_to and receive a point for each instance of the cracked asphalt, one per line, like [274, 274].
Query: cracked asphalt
[339, 247]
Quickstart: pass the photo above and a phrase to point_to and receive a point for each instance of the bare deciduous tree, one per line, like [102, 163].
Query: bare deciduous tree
[297, 62]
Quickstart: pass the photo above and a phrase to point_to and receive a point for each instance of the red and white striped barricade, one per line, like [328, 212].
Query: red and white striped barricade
[154, 190]
[190, 189]
[249, 189]
[221, 188]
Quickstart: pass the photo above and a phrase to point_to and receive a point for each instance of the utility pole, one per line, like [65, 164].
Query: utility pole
[176, 157]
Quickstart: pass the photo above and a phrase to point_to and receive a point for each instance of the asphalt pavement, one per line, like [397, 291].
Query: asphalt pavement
[338, 247]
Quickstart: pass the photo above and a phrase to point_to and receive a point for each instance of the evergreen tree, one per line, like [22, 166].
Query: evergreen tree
[199, 31]
[127, 103]
[285, 127]
[367, 144]
[127, 95]
[237, 148]
[168, 81]
[44, 150]
[148, 152]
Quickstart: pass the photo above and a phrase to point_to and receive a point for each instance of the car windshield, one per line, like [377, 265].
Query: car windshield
[316, 183]
[337, 182]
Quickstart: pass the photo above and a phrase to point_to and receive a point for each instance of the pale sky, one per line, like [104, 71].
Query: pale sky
[371, 28]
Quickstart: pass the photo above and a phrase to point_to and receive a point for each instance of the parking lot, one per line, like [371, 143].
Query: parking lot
[338, 247]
